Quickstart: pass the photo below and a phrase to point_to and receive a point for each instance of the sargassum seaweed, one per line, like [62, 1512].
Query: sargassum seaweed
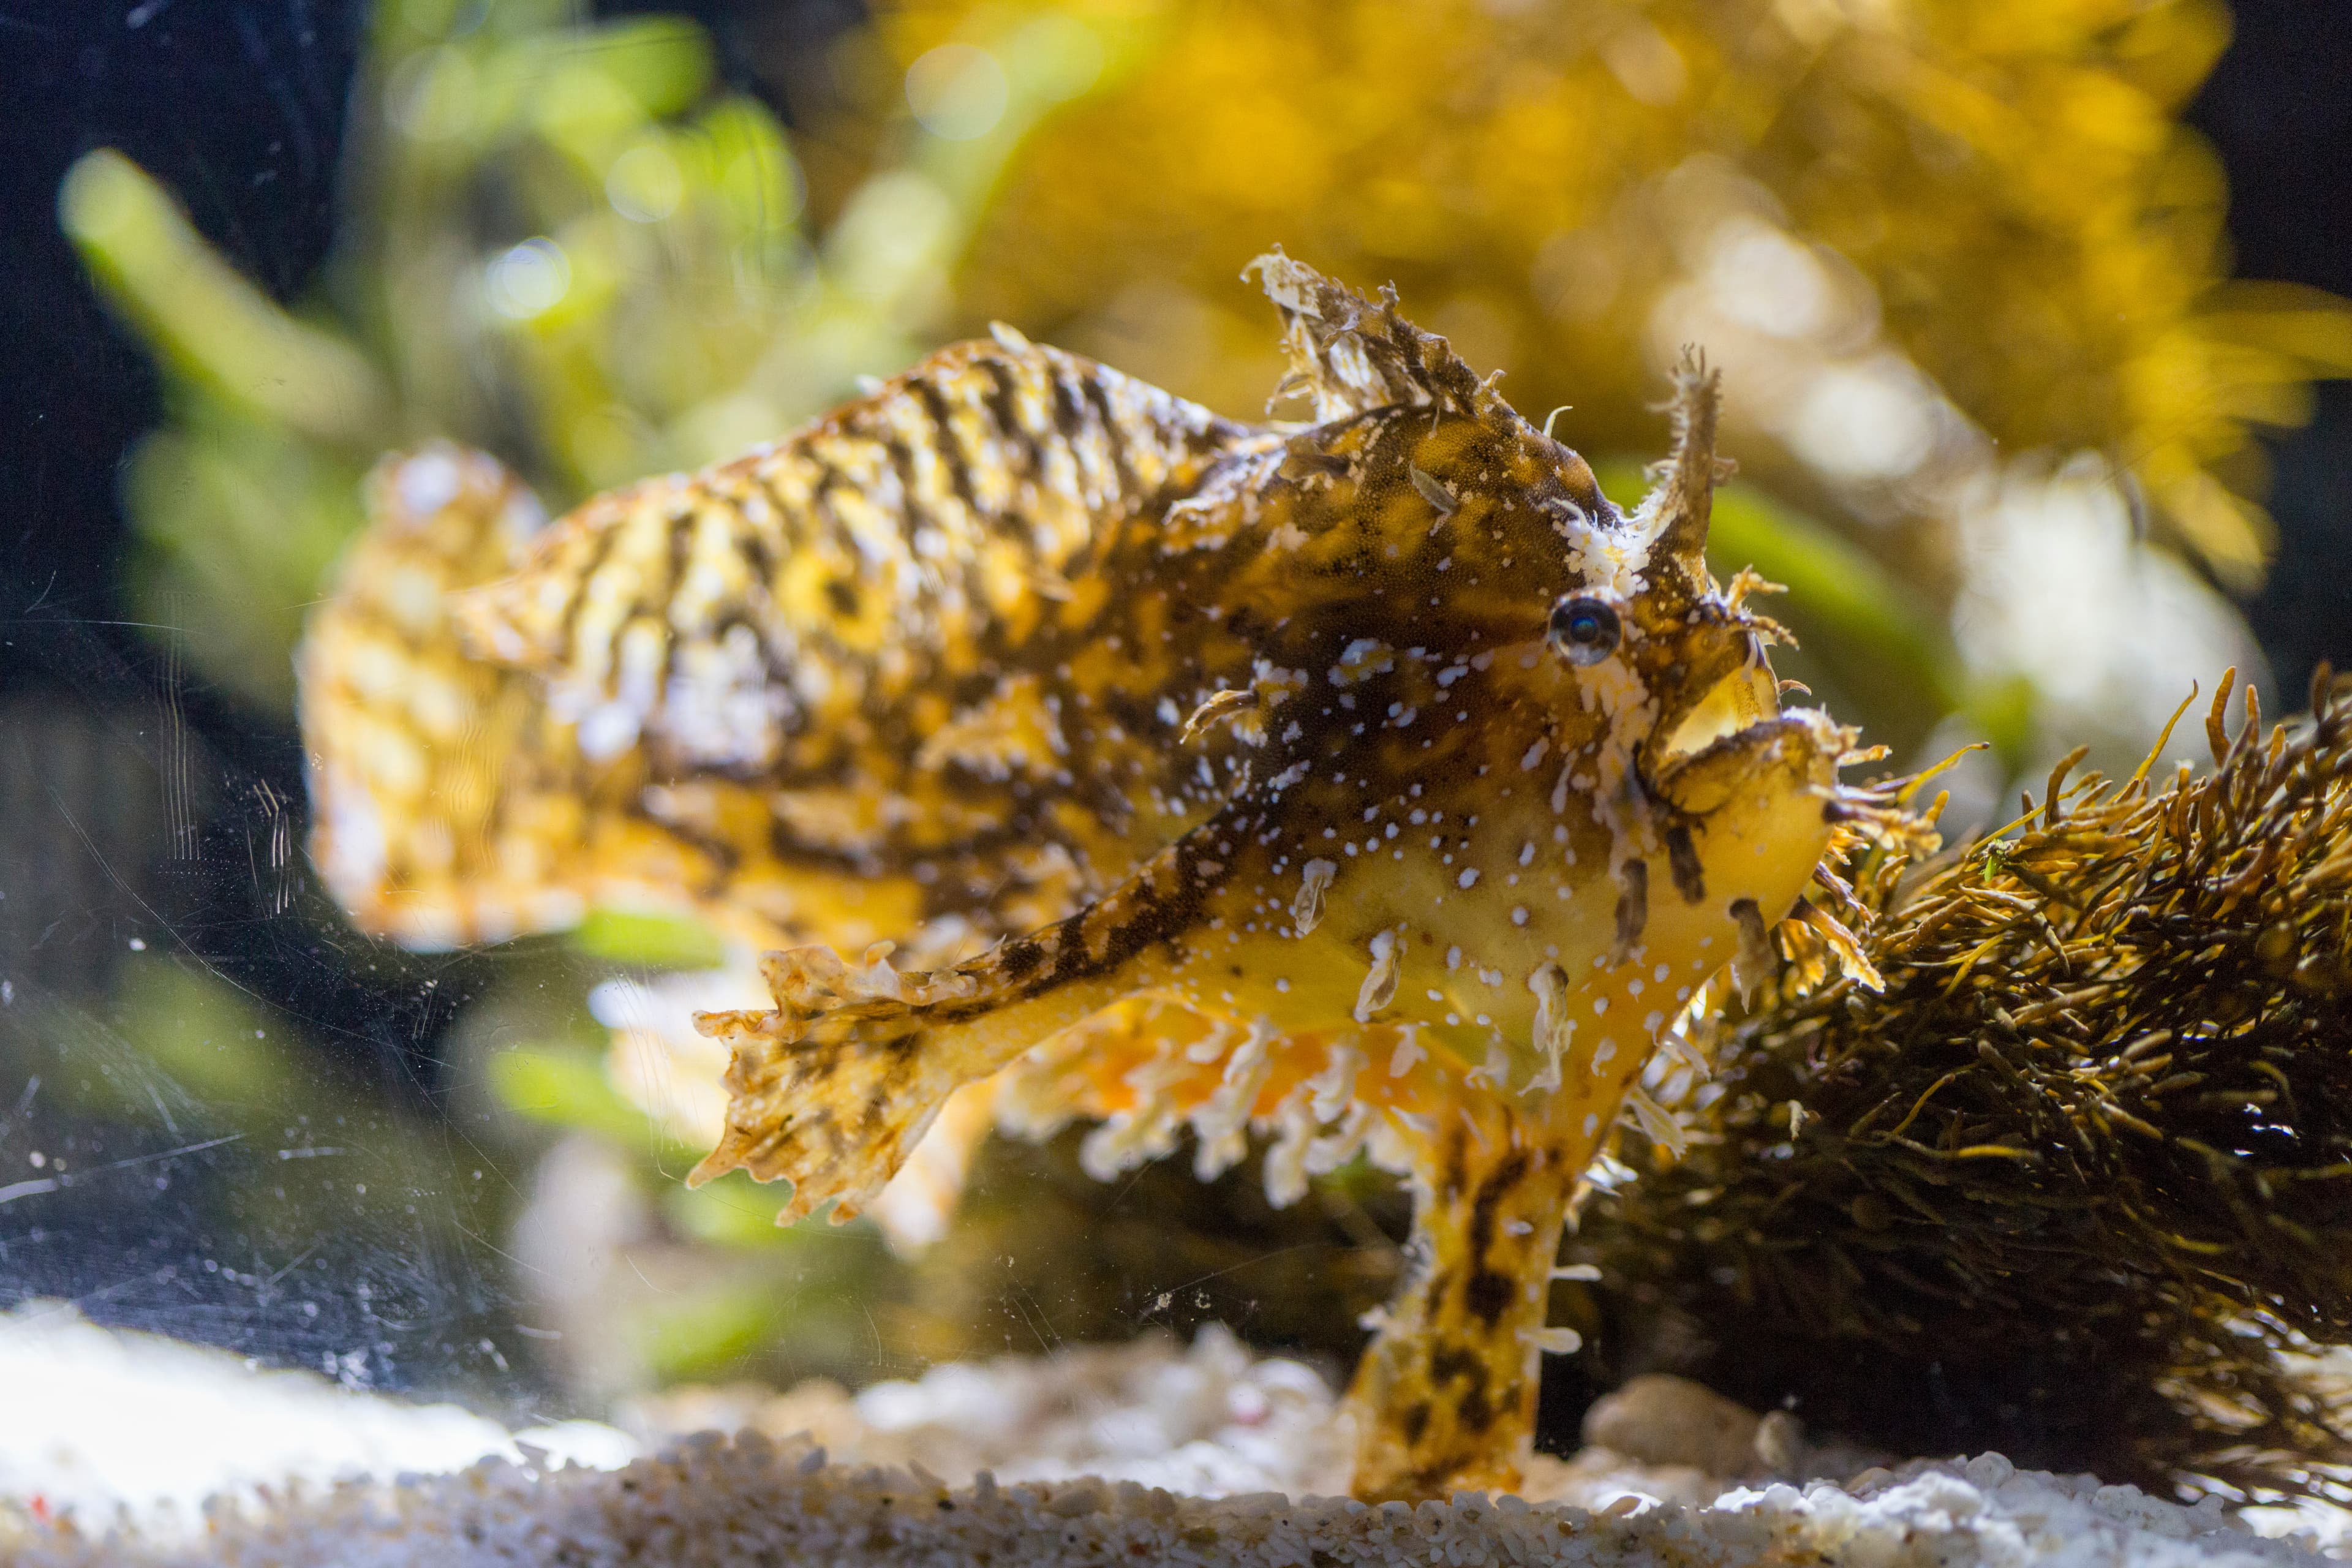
[2080, 1162]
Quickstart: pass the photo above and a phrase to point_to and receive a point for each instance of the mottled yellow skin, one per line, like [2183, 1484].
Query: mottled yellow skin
[451, 806]
[1211, 774]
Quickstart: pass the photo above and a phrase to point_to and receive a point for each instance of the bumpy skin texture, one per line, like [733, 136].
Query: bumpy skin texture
[1236, 776]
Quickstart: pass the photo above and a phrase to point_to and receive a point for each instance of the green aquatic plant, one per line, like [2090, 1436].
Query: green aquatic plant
[566, 244]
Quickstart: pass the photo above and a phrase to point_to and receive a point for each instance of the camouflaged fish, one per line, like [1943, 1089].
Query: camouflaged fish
[1376, 784]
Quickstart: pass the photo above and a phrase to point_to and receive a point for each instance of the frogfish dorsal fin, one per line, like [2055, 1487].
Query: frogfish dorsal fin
[1351, 354]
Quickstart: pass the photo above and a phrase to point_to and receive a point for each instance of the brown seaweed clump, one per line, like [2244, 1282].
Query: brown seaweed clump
[2078, 1182]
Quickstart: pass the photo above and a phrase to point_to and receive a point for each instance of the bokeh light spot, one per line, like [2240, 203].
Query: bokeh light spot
[1763, 279]
[528, 279]
[644, 185]
[1872, 421]
[958, 92]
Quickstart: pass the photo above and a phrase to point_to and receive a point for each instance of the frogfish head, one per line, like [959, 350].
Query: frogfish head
[1603, 801]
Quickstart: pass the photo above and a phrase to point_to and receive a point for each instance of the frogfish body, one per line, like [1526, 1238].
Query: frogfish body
[1375, 783]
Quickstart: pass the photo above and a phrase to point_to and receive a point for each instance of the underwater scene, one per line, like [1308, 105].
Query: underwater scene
[1479, 781]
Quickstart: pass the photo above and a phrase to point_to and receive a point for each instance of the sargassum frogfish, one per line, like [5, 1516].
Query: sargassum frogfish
[1375, 784]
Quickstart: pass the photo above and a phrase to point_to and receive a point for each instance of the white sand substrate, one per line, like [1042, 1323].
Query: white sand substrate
[1133, 1455]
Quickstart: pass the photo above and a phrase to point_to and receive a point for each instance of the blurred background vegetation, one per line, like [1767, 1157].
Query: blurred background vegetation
[1997, 395]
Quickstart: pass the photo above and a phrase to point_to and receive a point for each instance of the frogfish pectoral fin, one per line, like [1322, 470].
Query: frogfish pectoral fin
[1445, 1395]
[834, 1088]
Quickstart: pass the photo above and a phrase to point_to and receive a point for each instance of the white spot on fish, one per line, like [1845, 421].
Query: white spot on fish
[1379, 984]
[1409, 1050]
[1306, 908]
[1558, 1340]
[1553, 1028]
[1431, 491]
[1361, 660]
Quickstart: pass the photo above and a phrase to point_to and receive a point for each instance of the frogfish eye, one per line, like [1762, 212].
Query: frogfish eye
[1585, 629]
